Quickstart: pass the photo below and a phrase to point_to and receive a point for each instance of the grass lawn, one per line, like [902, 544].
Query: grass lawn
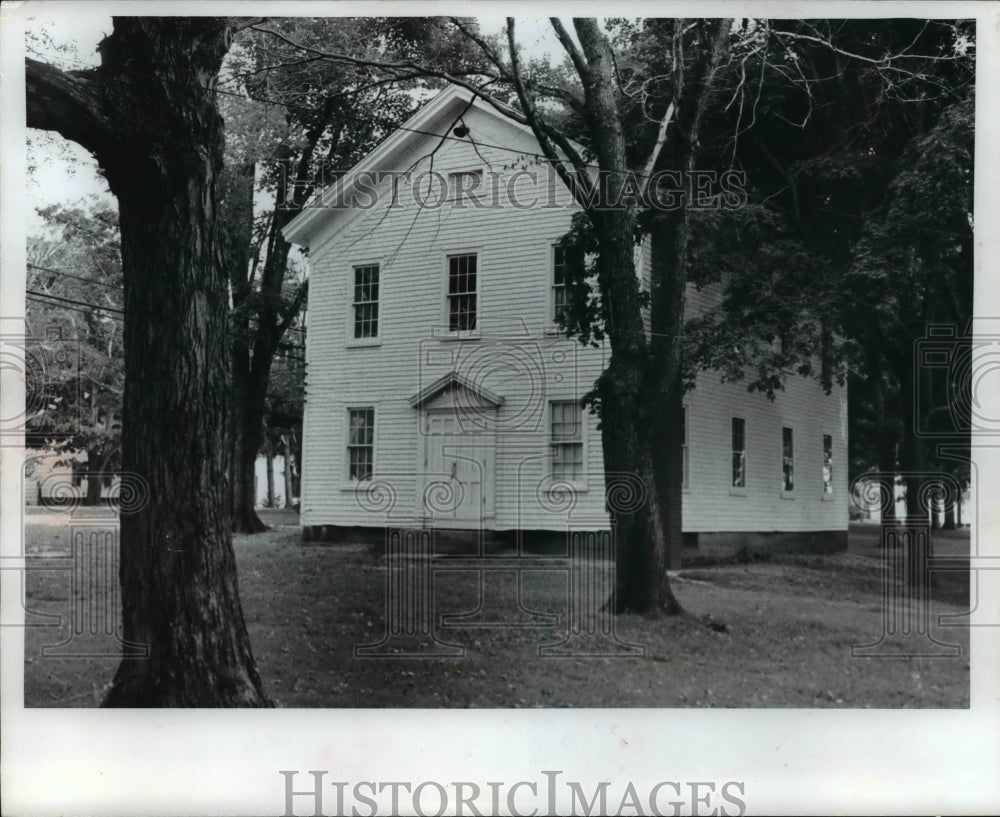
[792, 622]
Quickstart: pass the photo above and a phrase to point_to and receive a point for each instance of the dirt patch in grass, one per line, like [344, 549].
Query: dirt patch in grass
[793, 621]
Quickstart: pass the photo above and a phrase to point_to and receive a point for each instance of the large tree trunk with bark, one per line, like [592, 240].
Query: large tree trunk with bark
[149, 116]
[666, 381]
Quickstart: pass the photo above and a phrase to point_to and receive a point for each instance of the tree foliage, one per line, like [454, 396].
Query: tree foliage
[75, 285]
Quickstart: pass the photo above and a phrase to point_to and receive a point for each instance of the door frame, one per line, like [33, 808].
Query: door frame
[484, 439]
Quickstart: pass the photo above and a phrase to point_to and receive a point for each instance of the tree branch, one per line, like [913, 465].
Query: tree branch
[294, 307]
[70, 103]
[570, 47]
[576, 180]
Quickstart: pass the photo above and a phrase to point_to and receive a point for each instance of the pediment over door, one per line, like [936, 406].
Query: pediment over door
[453, 391]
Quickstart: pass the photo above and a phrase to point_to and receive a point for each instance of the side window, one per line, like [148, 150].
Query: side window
[360, 444]
[827, 465]
[787, 460]
[739, 453]
[558, 282]
[567, 441]
[366, 301]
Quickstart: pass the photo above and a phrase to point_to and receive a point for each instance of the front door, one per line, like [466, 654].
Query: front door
[456, 465]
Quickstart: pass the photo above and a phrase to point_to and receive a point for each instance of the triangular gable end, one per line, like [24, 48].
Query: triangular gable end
[426, 121]
[457, 391]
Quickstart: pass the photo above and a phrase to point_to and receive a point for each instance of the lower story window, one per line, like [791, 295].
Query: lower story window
[827, 465]
[567, 441]
[360, 444]
[739, 443]
[787, 460]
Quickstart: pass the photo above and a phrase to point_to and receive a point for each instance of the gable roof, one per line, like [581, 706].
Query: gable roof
[428, 393]
[432, 119]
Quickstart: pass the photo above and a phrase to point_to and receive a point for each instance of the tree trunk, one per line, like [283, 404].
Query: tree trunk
[149, 117]
[886, 443]
[289, 458]
[913, 463]
[236, 235]
[269, 454]
[95, 466]
[641, 584]
[627, 439]
[248, 435]
[950, 504]
[668, 274]
[669, 242]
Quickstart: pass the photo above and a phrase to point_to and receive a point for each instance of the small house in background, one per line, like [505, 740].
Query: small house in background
[441, 392]
[59, 478]
[281, 481]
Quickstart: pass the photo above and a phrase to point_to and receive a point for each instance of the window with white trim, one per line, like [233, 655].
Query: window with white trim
[564, 260]
[739, 456]
[559, 270]
[366, 301]
[567, 441]
[787, 460]
[462, 292]
[360, 444]
[827, 465]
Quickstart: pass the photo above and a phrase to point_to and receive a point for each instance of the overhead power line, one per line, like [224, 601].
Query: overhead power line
[76, 277]
[73, 301]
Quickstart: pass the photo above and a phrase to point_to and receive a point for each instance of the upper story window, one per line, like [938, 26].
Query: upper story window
[366, 301]
[462, 292]
[787, 460]
[564, 260]
[559, 276]
[739, 447]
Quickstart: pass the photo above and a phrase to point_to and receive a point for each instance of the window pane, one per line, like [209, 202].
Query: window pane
[462, 312]
[567, 422]
[461, 274]
[362, 426]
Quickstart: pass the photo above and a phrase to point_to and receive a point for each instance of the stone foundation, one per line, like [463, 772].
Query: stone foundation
[697, 546]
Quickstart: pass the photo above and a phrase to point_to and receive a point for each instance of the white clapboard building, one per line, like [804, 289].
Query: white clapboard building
[441, 392]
